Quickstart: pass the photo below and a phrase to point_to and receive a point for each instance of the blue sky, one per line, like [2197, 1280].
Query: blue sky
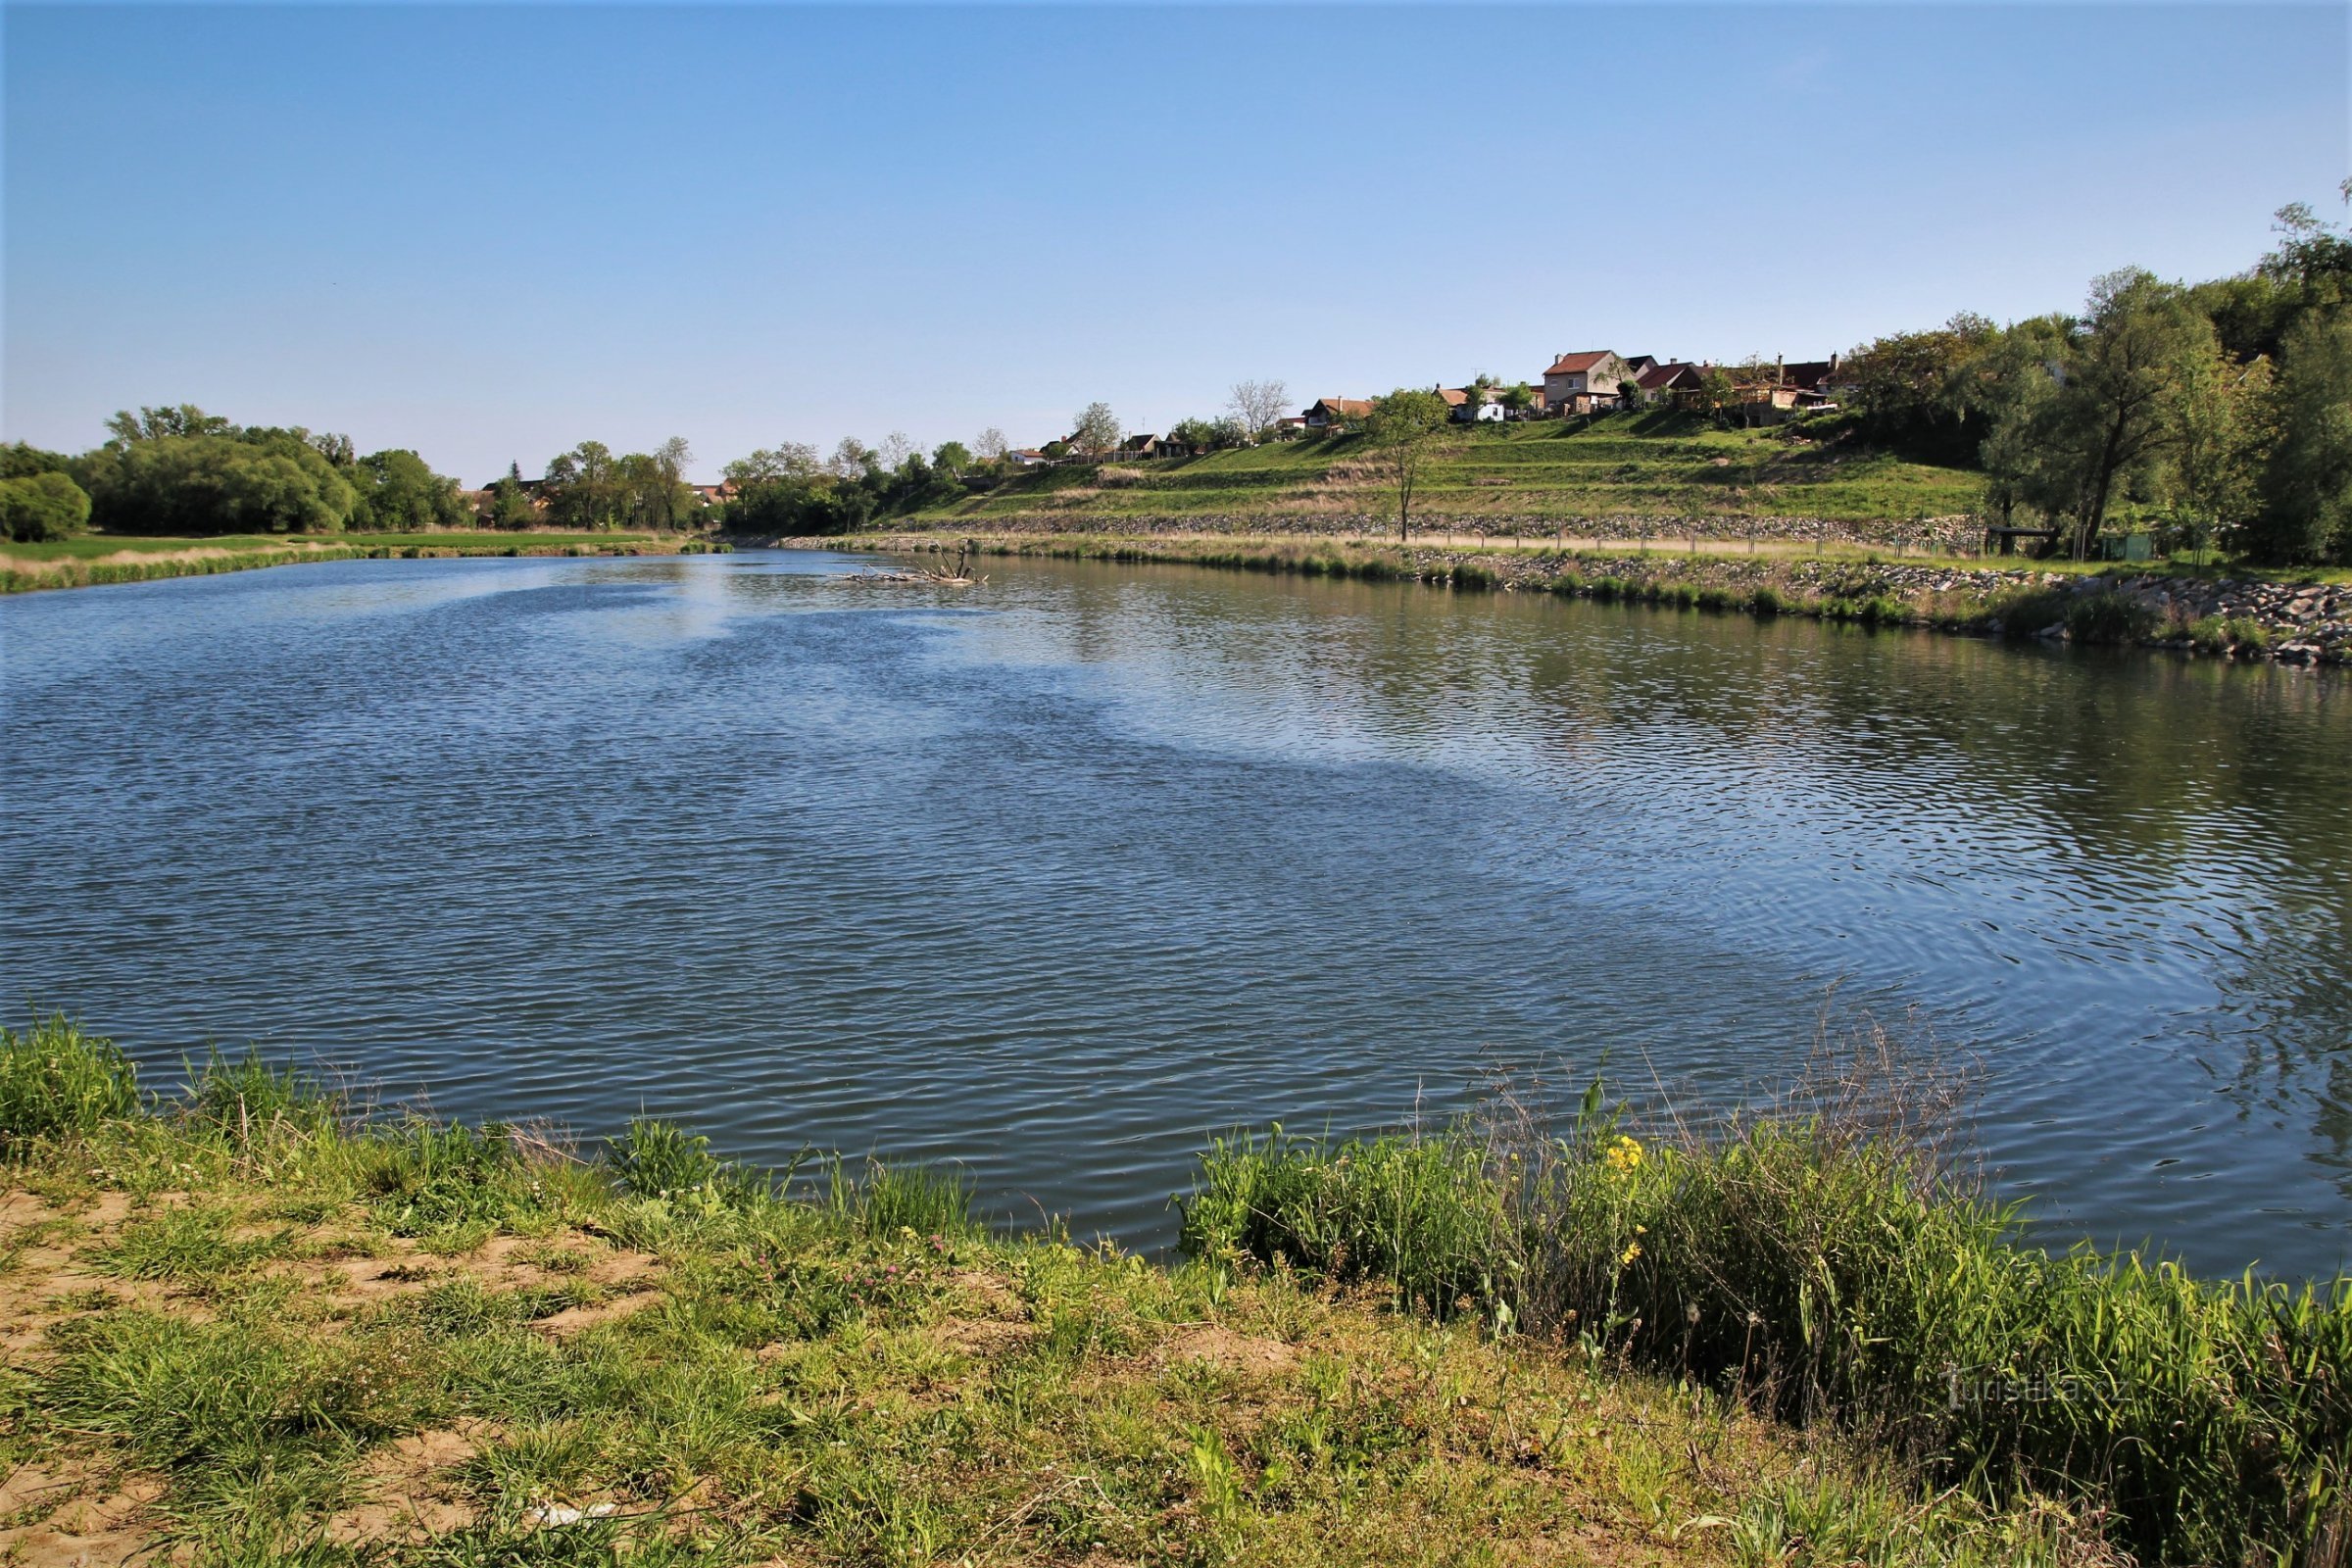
[490, 233]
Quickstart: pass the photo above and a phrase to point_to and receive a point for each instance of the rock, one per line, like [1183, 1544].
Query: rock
[2296, 652]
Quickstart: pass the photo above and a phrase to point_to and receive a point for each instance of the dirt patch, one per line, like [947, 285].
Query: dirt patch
[1223, 1348]
[984, 1338]
[72, 1522]
[406, 1484]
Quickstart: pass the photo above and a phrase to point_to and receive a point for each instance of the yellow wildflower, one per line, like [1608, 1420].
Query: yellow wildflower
[1624, 1154]
[1631, 1254]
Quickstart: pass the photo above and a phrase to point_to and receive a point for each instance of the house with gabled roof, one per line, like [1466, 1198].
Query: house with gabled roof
[1325, 413]
[1585, 383]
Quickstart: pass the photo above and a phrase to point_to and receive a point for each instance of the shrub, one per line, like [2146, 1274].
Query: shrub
[2215, 634]
[57, 1082]
[2022, 612]
[2108, 618]
[1767, 601]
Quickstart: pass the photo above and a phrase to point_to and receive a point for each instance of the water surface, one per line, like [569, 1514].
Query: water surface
[1058, 875]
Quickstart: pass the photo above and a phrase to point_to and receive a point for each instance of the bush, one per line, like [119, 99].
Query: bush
[2108, 618]
[2021, 612]
[43, 505]
[57, 1082]
[2218, 635]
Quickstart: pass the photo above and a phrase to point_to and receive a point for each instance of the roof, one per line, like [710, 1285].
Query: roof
[1808, 373]
[1352, 408]
[1666, 375]
[1570, 364]
[1454, 396]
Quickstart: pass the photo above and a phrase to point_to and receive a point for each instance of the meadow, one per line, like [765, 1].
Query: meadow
[252, 1320]
[1659, 464]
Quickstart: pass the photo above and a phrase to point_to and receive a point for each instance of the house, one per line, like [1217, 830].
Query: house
[1462, 410]
[1325, 413]
[713, 495]
[1583, 383]
[1665, 383]
[1636, 366]
[1027, 457]
[1144, 446]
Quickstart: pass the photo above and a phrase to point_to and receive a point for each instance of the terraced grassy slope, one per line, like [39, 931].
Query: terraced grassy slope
[1660, 464]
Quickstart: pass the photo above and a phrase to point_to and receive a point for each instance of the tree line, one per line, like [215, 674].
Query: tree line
[2217, 412]
[181, 470]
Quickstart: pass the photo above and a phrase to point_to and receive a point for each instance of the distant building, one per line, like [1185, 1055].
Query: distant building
[1027, 457]
[1585, 383]
[1144, 446]
[1668, 382]
[1325, 413]
[1460, 407]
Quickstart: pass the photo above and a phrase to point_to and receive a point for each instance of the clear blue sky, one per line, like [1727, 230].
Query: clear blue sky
[488, 233]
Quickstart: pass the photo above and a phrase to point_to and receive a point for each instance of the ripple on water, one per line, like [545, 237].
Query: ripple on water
[1059, 876]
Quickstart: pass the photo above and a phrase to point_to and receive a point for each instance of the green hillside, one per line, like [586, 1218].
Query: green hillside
[1663, 463]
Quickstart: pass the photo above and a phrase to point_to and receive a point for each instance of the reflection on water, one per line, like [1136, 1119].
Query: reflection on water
[1059, 874]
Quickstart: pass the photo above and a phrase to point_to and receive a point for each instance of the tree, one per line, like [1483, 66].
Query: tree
[991, 444]
[2212, 430]
[19, 461]
[396, 493]
[45, 505]
[1399, 433]
[2109, 416]
[896, 448]
[850, 459]
[951, 459]
[1518, 397]
[184, 471]
[582, 488]
[1257, 406]
[2315, 258]
[2306, 488]
[1097, 432]
[1717, 391]
[158, 425]
[1911, 389]
[511, 505]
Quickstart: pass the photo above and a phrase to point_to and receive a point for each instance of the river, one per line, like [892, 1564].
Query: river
[1058, 875]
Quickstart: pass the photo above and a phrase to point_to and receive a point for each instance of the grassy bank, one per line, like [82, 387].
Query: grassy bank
[1656, 465]
[244, 1323]
[2301, 617]
[94, 560]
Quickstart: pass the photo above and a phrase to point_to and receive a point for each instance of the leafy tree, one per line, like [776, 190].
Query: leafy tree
[2314, 259]
[1096, 434]
[582, 488]
[1911, 389]
[511, 505]
[1518, 397]
[159, 424]
[951, 459]
[1718, 391]
[1055, 449]
[2109, 418]
[398, 494]
[42, 504]
[19, 462]
[2212, 432]
[2306, 488]
[1399, 433]
[181, 471]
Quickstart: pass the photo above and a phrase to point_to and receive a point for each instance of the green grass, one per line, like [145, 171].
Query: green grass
[850, 1373]
[1661, 465]
[1827, 1263]
[91, 559]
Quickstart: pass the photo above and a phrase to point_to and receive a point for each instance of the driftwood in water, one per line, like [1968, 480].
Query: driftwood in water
[958, 575]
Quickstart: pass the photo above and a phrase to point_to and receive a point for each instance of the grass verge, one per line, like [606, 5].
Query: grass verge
[244, 1324]
[97, 560]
